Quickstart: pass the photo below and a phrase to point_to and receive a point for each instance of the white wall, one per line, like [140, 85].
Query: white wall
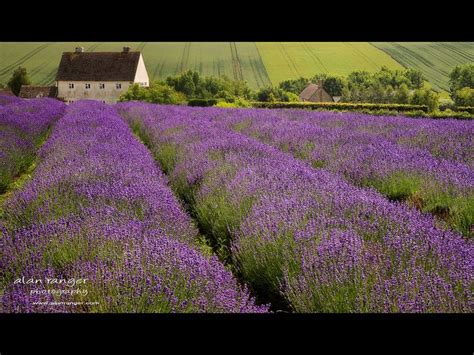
[141, 76]
[109, 94]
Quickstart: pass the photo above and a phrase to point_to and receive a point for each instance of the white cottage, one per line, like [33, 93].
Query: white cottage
[102, 76]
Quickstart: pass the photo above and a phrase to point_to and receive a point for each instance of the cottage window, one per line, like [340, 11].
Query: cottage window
[101, 86]
[71, 85]
[118, 86]
[88, 86]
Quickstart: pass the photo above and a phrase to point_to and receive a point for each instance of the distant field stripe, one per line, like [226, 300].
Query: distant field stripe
[157, 71]
[23, 59]
[37, 69]
[446, 45]
[413, 54]
[290, 63]
[362, 55]
[236, 68]
[314, 56]
[239, 66]
[50, 78]
[262, 70]
[185, 58]
[141, 46]
[92, 47]
[257, 74]
[435, 59]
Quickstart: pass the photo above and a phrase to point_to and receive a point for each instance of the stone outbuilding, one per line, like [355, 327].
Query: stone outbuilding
[35, 92]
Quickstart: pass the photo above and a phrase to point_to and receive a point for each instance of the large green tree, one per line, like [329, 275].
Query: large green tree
[296, 86]
[462, 76]
[334, 85]
[465, 97]
[158, 93]
[19, 78]
[426, 97]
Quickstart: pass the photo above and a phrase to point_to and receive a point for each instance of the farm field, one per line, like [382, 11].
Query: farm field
[237, 60]
[291, 60]
[167, 208]
[434, 59]
[259, 63]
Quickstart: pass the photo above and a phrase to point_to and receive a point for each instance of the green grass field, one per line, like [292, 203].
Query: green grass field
[239, 60]
[288, 60]
[434, 59]
[259, 63]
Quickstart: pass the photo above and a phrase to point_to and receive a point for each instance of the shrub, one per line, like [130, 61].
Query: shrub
[341, 106]
[464, 97]
[425, 97]
[202, 102]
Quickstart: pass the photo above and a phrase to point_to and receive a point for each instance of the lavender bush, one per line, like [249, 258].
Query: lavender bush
[23, 127]
[427, 163]
[299, 235]
[8, 99]
[98, 208]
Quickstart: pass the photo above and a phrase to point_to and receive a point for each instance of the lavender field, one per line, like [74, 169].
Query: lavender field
[137, 207]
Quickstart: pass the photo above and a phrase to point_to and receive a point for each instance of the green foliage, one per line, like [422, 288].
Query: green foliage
[415, 77]
[202, 102]
[275, 94]
[186, 82]
[334, 85]
[295, 86]
[19, 78]
[261, 265]
[384, 86]
[341, 106]
[456, 211]
[194, 86]
[461, 115]
[464, 97]
[425, 97]
[218, 218]
[157, 93]
[462, 76]
[398, 186]
[402, 95]
[238, 102]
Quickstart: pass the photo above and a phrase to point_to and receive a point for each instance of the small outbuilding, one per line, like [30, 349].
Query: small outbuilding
[34, 91]
[315, 93]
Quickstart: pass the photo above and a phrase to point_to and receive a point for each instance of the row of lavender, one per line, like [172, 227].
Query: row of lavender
[23, 127]
[301, 237]
[8, 99]
[428, 163]
[99, 212]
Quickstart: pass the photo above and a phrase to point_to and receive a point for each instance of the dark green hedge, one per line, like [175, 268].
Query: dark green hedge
[202, 102]
[341, 106]
[469, 109]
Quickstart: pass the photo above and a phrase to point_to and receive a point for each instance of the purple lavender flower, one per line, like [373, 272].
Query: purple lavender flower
[298, 233]
[98, 208]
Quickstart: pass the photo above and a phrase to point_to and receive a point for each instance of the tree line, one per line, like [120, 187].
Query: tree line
[388, 86]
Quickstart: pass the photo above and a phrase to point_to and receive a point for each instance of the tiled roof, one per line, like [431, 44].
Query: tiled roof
[98, 66]
[309, 91]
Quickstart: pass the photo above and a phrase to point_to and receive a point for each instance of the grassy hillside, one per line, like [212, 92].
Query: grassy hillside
[259, 63]
[288, 60]
[434, 59]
